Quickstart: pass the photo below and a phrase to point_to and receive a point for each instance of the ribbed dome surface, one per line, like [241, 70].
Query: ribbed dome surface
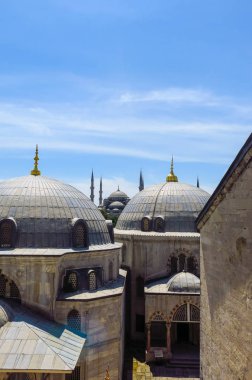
[44, 209]
[118, 194]
[178, 203]
[184, 282]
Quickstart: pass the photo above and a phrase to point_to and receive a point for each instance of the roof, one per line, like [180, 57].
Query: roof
[29, 342]
[182, 283]
[234, 171]
[178, 203]
[118, 194]
[44, 209]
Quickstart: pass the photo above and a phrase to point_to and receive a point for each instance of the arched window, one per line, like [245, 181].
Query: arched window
[14, 292]
[74, 320]
[159, 224]
[80, 234]
[140, 287]
[194, 313]
[7, 233]
[71, 282]
[8, 289]
[174, 265]
[181, 262]
[181, 314]
[110, 271]
[91, 280]
[191, 265]
[146, 224]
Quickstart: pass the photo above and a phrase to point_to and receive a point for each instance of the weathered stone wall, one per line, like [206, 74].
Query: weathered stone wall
[226, 286]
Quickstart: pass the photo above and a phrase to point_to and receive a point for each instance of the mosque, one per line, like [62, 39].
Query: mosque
[72, 287]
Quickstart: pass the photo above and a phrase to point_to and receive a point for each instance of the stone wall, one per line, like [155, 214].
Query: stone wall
[226, 286]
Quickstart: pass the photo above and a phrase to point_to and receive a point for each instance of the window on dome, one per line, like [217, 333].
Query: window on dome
[146, 224]
[80, 234]
[74, 320]
[7, 233]
[92, 280]
[159, 224]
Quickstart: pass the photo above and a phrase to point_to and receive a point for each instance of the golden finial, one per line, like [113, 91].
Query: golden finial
[35, 171]
[171, 177]
[107, 377]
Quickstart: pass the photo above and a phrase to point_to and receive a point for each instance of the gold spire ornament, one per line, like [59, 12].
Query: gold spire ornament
[107, 377]
[35, 170]
[171, 177]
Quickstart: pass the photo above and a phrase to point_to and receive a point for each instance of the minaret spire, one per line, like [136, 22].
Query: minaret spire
[141, 181]
[100, 193]
[198, 182]
[35, 170]
[171, 177]
[92, 187]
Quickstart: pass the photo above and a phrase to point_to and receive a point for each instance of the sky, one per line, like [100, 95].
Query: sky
[120, 86]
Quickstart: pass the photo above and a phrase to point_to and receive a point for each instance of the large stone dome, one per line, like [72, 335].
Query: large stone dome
[44, 210]
[177, 204]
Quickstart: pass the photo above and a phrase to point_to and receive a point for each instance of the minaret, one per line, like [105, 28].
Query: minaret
[171, 177]
[141, 182]
[35, 170]
[92, 187]
[198, 182]
[100, 193]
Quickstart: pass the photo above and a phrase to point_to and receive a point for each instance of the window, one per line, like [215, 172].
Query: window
[75, 375]
[3, 282]
[7, 233]
[92, 280]
[181, 314]
[14, 292]
[159, 224]
[146, 224]
[191, 264]
[194, 313]
[140, 323]
[181, 262]
[80, 234]
[140, 287]
[74, 320]
[110, 271]
[8, 289]
[174, 265]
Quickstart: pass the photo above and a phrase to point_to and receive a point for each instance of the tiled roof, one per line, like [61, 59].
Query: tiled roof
[29, 342]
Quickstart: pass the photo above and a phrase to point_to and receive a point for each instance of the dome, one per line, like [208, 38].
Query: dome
[116, 204]
[177, 203]
[184, 282]
[44, 210]
[118, 194]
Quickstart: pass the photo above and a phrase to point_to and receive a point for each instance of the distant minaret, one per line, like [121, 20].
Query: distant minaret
[100, 193]
[141, 182]
[92, 187]
[197, 181]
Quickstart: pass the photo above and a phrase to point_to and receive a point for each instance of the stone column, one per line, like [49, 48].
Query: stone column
[148, 325]
[168, 339]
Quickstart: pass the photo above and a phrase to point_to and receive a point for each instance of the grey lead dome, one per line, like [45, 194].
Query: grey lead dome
[178, 203]
[44, 208]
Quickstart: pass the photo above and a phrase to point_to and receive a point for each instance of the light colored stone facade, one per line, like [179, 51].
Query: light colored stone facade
[226, 277]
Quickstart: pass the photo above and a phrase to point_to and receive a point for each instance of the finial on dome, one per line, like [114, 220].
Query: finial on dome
[171, 177]
[35, 170]
[118, 188]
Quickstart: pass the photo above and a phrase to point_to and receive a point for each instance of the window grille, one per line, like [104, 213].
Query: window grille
[158, 318]
[146, 224]
[14, 292]
[159, 224]
[92, 280]
[72, 281]
[6, 234]
[2, 286]
[194, 313]
[75, 375]
[140, 287]
[74, 320]
[191, 264]
[79, 235]
[110, 271]
[181, 262]
[181, 314]
[174, 264]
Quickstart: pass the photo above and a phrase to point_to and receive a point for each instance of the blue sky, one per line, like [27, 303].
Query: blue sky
[120, 86]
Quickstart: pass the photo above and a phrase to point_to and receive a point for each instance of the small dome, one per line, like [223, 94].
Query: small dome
[184, 282]
[44, 209]
[178, 203]
[117, 205]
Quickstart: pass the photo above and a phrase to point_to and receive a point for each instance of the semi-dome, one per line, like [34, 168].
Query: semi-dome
[44, 211]
[174, 206]
[184, 282]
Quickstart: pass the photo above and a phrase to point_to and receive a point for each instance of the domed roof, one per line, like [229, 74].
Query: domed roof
[184, 282]
[179, 204]
[116, 204]
[118, 194]
[44, 209]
